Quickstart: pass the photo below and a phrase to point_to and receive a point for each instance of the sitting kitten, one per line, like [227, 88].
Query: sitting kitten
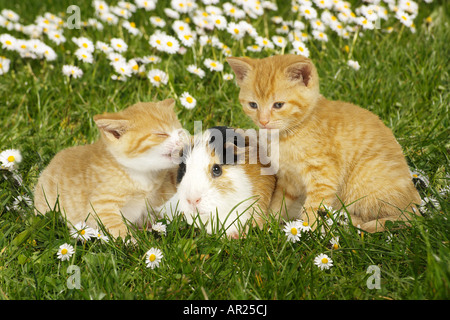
[128, 171]
[330, 151]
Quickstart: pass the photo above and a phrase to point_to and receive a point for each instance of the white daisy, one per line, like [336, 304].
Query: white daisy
[334, 243]
[84, 43]
[254, 48]
[72, 71]
[10, 15]
[119, 45]
[228, 76]
[153, 258]
[404, 18]
[170, 44]
[81, 231]
[148, 5]
[150, 59]
[187, 100]
[10, 158]
[308, 12]
[160, 228]
[84, 55]
[264, 42]
[319, 35]
[293, 231]
[65, 251]
[156, 40]
[353, 64]
[56, 36]
[4, 65]
[122, 68]
[187, 38]
[196, 70]
[104, 47]
[279, 41]
[219, 21]
[116, 57]
[323, 261]
[157, 22]
[213, 65]
[99, 235]
[157, 77]
[300, 48]
[8, 41]
[236, 30]
[304, 226]
[131, 28]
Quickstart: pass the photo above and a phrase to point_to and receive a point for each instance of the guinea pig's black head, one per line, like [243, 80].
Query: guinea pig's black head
[224, 141]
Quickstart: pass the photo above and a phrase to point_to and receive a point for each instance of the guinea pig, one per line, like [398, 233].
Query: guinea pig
[220, 182]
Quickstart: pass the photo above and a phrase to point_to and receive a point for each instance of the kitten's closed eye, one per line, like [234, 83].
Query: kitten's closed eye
[161, 134]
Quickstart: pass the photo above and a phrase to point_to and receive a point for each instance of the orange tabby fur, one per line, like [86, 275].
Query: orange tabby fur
[330, 151]
[108, 178]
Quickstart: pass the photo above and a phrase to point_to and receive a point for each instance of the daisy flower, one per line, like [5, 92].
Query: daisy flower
[187, 100]
[308, 12]
[180, 26]
[157, 22]
[119, 45]
[84, 43]
[254, 48]
[156, 41]
[404, 18]
[228, 76]
[148, 5]
[304, 226]
[84, 55]
[10, 158]
[334, 243]
[170, 44]
[10, 15]
[196, 70]
[157, 77]
[264, 42]
[365, 23]
[183, 6]
[323, 261]
[353, 64]
[420, 178]
[121, 12]
[82, 232]
[4, 65]
[72, 71]
[99, 235]
[56, 36]
[160, 227]
[187, 38]
[219, 21]
[150, 59]
[319, 35]
[213, 65]
[116, 57]
[236, 30]
[8, 41]
[104, 47]
[293, 231]
[153, 258]
[122, 68]
[131, 28]
[300, 48]
[65, 251]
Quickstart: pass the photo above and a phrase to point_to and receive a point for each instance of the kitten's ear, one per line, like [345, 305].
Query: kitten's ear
[112, 128]
[168, 103]
[241, 67]
[301, 72]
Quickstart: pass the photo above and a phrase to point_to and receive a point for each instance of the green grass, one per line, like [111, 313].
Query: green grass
[403, 79]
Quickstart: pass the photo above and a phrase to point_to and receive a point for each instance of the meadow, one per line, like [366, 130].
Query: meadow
[395, 64]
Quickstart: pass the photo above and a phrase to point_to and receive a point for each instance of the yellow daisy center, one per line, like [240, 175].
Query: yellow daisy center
[64, 251]
[135, 67]
[236, 30]
[82, 232]
[294, 231]
[169, 44]
[8, 42]
[213, 64]
[189, 99]
[335, 246]
[157, 78]
[11, 158]
[132, 24]
[85, 45]
[152, 257]
[324, 260]
[305, 224]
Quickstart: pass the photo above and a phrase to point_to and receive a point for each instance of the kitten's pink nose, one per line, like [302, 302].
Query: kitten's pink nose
[194, 202]
[264, 122]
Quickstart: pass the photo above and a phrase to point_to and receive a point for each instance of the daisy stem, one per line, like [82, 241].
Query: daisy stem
[400, 33]
[355, 37]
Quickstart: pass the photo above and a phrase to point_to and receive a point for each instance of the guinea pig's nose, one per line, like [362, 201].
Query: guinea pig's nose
[194, 202]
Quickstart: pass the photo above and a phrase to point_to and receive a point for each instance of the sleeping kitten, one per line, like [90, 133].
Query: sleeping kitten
[126, 172]
[330, 151]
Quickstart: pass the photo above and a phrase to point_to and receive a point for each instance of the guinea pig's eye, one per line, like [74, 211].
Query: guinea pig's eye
[278, 105]
[216, 170]
[253, 105]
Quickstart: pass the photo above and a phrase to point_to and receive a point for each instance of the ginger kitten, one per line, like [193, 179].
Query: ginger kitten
[329, 151]
[126, 172]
